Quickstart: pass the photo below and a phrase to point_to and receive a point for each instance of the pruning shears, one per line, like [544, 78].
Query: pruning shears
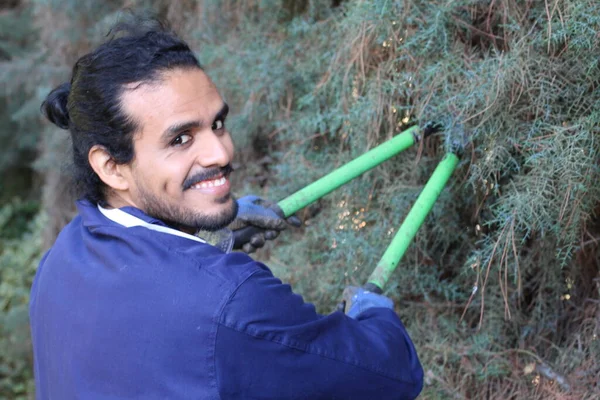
[358, 166]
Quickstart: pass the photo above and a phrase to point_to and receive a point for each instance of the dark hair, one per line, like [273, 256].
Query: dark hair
[138, 50]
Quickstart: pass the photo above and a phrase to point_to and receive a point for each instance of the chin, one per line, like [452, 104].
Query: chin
[218, 219]
[215, 215]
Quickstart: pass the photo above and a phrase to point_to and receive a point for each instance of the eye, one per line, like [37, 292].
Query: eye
[218, 125]
[181, 139]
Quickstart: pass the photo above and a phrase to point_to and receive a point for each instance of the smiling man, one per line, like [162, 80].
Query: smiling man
[183, 153]
[134, 302]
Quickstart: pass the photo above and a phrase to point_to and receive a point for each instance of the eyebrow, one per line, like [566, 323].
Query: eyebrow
[222, 114]
[177, 128]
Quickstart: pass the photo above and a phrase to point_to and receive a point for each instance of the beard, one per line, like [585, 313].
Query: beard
[185, 219]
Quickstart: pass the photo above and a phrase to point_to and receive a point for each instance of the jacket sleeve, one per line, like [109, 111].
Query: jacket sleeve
[272, 345]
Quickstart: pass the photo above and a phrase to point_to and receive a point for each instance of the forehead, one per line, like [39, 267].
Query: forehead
[180, 95]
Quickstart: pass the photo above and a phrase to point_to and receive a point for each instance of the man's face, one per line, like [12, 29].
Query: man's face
[180, 171]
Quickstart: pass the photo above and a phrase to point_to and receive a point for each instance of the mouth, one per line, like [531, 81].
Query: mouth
[209, 180]
[210, 183]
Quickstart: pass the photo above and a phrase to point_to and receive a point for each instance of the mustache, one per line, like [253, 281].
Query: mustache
[207, 174]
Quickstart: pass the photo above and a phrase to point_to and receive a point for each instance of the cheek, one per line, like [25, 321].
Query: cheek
[174, 173]
[166, 175]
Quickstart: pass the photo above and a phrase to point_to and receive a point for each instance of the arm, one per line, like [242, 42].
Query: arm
[272, 345]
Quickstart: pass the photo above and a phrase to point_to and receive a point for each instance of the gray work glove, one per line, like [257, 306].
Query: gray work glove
[265, 217]
[356, 300]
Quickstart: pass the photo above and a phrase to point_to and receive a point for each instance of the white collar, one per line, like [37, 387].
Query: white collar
[128, 221]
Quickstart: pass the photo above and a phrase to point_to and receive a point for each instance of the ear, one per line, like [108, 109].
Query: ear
[107, 169]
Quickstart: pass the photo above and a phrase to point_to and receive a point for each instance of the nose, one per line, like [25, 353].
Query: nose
[215, 150]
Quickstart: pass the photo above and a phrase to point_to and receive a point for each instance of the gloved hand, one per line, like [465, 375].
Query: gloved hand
[356, 300]
[264, 216]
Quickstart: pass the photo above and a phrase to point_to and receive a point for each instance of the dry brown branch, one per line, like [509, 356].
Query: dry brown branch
[514, 246]
[487, 273]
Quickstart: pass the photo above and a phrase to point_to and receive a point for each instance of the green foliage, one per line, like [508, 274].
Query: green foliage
[20, 253]
[515, 86]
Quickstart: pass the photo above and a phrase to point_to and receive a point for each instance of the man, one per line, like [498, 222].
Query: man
[131, 302]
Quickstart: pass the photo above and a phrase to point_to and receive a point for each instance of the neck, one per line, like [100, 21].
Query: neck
[115, 200]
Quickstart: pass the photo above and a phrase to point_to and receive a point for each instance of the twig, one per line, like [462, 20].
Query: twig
[504, 287]
[473, 291]
[593, 240]
[467, 25]
[514, 246]
[549, 373]
[564, 205]
[487, 274]
[575, 208]
[549, 25]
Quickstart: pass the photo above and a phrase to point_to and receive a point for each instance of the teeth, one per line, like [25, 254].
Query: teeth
[209, 184]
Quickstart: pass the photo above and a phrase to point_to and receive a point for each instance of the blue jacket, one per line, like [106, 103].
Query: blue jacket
[133, 313]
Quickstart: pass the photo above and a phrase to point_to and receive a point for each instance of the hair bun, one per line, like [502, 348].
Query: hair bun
[55, 106]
